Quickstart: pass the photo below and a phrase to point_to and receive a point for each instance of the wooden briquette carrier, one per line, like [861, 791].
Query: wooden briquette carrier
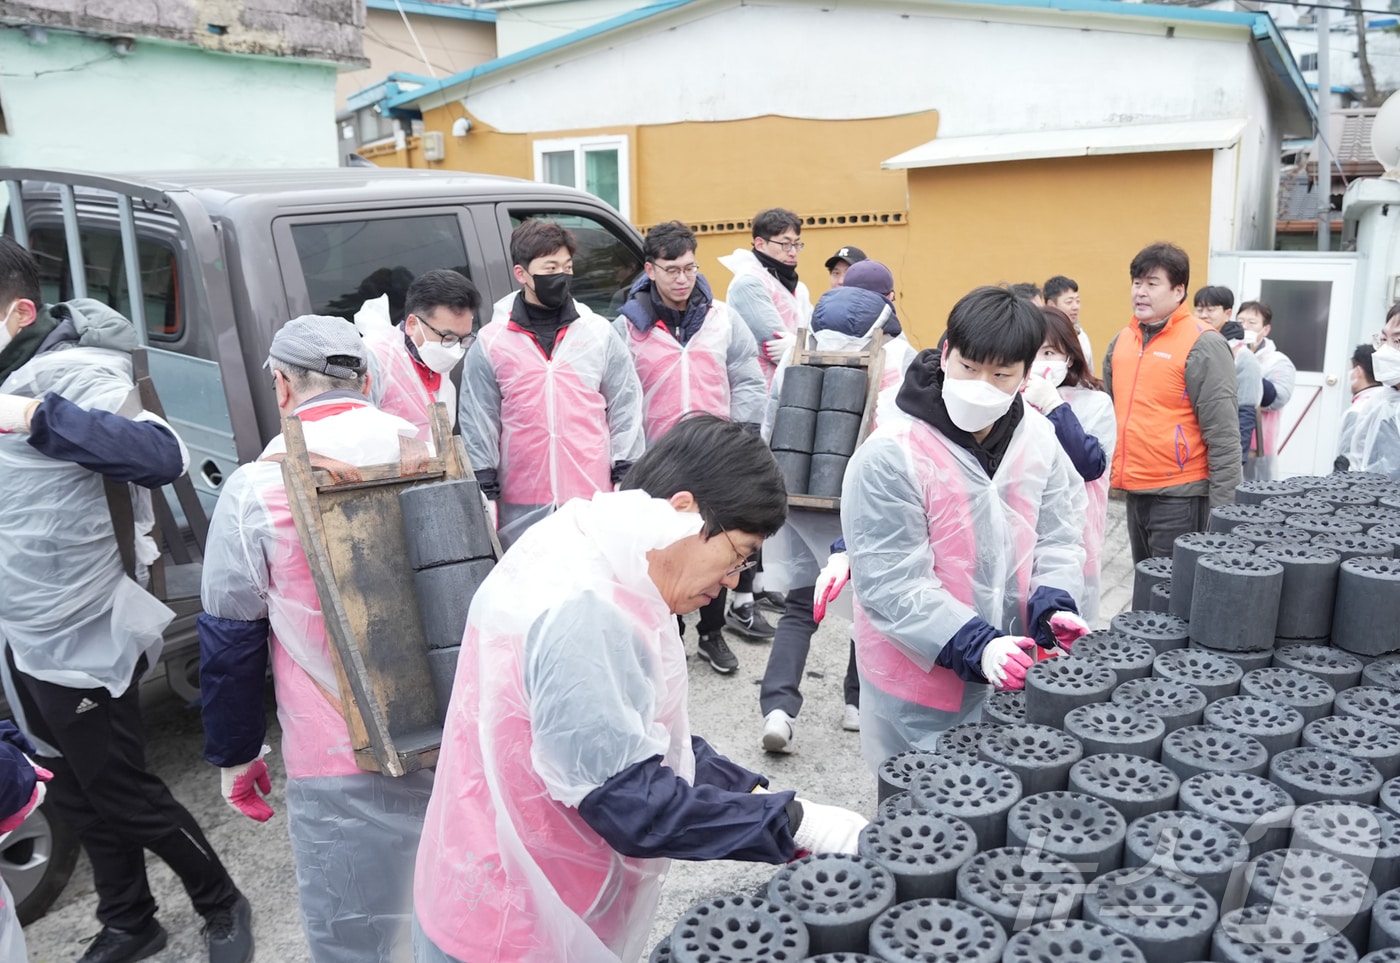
[351, 527]
[872, 359]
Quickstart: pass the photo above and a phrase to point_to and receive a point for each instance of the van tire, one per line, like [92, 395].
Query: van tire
[48, 851]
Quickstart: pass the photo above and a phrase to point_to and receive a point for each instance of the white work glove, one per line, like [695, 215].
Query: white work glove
[828, 829]
[15, 412]
[245, 786]
[1005, 661]
[833, 578]
[1041, 395]
[1067, 628]
[778, 347]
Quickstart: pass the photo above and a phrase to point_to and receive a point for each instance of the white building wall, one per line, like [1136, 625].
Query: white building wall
[526, 24]
[982, 76]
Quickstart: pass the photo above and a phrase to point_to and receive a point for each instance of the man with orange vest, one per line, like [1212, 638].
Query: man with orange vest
[1172, 378]
[692, 354]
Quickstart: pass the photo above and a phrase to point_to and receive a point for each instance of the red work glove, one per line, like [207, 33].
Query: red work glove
[833, 578]
[1067, 628]
[1006, 660]
[245, 786]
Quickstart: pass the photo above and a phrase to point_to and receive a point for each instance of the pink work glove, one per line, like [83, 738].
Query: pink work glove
[245, 786]
[1067, 628]
[12, 823]
[833, 578]
[1006, 660]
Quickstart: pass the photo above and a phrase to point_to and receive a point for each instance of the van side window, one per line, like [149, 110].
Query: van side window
[605, 265]
[106, 276]
[349, 262]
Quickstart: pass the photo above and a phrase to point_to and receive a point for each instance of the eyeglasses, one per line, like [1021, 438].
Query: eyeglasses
[674, 271]
[449, 339]
[1380, 340]
[788, 246]
[746, 562]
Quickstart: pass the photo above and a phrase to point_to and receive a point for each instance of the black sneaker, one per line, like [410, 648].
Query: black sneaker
[229, 933]
[773, 601]
[748, 622]
[714, 650]
[120, 946]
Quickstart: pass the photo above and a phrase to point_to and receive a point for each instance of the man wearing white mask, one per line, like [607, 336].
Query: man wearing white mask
[411, 364]
[1375, 442]
[963, 520]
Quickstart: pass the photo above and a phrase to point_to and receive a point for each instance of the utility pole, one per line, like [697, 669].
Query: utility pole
[1324, 127]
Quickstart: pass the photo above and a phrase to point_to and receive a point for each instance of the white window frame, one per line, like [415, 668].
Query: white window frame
[580, 146]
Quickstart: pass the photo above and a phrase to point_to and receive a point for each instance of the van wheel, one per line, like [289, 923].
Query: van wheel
[36, 860]
[182, 675]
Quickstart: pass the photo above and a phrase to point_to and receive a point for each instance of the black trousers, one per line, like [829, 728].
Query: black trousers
[787, 660]
[102, 790]
[1155, 521]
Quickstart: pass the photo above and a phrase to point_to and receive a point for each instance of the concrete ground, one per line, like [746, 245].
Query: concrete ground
[826, 767]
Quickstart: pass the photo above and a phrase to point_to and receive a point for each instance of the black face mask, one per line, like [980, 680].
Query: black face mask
[553, 290]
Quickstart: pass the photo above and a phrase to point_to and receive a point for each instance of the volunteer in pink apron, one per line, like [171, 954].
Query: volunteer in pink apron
[1280, 377]
[1062, 387]
[551, 408]
[569, 778]
[411, 363]
[692, 354]
[765, 291]
[353, 832]
[963, 519]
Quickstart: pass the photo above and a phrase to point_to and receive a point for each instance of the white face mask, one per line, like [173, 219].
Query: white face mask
[1052, 370]
[1251, 337]
[974, 405]
[440, 358]
[5, 336]
[1386, 362]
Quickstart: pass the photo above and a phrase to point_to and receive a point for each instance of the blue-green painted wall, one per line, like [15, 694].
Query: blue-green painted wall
[165, 106]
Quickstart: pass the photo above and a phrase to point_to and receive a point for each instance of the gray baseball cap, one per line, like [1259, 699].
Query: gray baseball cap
[317, 342]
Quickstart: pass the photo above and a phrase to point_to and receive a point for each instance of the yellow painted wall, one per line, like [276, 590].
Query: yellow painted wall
[958, 226]
[1084, 217]
[713, 173]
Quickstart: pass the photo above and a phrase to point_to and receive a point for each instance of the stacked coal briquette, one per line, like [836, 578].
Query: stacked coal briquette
[1218, 785]
[451, 553]
[817, 426]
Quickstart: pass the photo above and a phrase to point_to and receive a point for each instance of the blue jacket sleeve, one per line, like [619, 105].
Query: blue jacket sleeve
[1083, 448]
[1270, 394]
[1248, 417]
[839, 545]
[232, 675]
[17, 776]
[712, 769]
[1043, 603]
[143, 453]
[963, 652]
[647, 811]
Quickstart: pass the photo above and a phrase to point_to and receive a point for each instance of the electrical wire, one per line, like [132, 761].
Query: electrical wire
[63, 70]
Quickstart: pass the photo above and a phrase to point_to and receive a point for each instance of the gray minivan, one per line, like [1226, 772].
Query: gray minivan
[210, 264]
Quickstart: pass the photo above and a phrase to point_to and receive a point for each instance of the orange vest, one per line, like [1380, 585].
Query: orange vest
[1159, 439]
